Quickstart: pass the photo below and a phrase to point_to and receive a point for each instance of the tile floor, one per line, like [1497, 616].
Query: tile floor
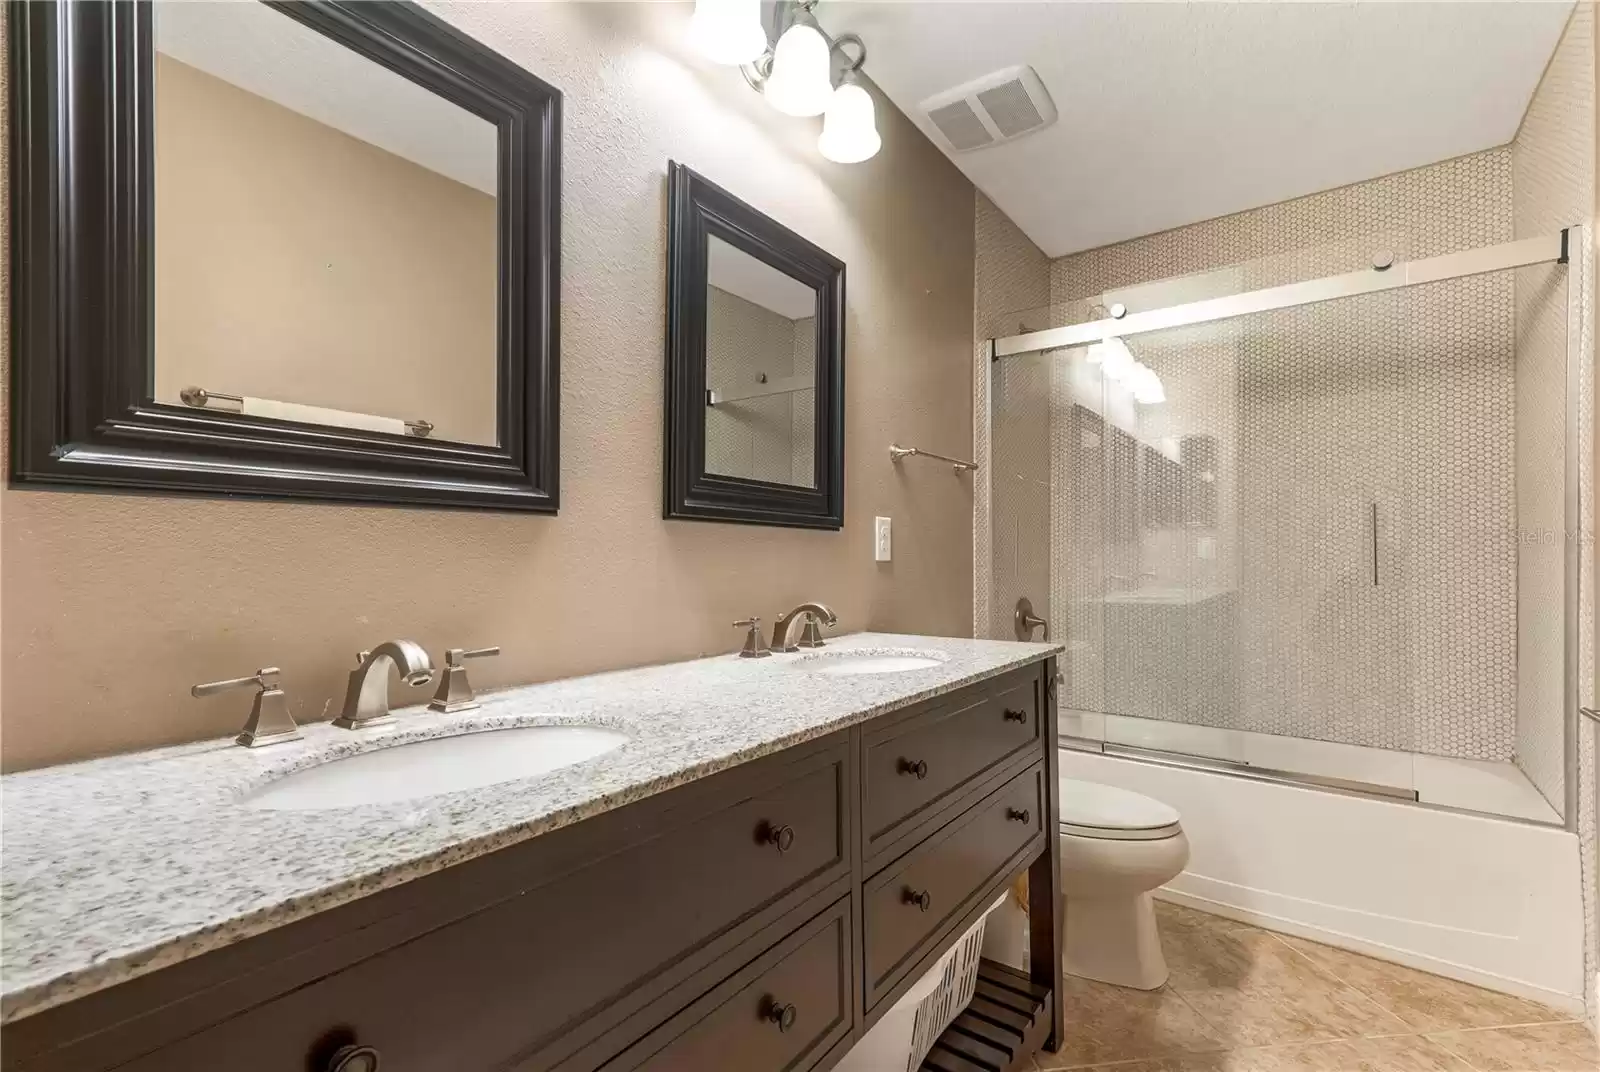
[1242, 999]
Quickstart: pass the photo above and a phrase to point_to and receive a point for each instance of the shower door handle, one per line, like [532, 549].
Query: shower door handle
[1589, 713]
[1374, 543]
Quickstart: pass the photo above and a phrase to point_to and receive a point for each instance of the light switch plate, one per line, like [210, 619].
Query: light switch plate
[882, 546]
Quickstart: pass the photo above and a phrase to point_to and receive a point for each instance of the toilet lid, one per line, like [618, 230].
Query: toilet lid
[1089, 809]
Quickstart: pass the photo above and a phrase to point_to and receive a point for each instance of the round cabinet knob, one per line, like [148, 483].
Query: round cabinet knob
[919, 768]
[782, 1014]
[1018, 815]
[781, 836]
[1013, 715]
[354, 1059]
[922, 899]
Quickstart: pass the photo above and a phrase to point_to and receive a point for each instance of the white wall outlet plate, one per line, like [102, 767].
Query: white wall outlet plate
[882, 546]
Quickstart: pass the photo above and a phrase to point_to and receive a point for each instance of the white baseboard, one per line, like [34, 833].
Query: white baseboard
[1286, 925]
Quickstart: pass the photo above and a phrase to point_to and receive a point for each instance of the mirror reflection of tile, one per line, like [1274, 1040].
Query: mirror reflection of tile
[760, 369]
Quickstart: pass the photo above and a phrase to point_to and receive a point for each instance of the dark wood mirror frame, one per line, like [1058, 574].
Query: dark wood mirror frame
[697, 210]
[82, 276]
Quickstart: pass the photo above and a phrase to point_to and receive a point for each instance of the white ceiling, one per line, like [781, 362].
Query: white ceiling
[271, 55]
[735, 271]
[1173, 113]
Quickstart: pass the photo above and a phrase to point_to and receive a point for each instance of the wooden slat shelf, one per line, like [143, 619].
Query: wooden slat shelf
[1005, 1023]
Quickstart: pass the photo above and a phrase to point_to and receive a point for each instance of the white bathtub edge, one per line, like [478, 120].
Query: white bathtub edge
[1490, 902]
[1568, 1003]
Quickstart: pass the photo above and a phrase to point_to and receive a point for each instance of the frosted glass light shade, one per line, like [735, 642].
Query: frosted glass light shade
[850, 129]
[728, 31]
[801, 82]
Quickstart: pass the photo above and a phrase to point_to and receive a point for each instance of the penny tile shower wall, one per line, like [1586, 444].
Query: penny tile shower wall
[1316, 534]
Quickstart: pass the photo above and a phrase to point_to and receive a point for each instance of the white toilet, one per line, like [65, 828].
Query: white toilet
[1116, 847]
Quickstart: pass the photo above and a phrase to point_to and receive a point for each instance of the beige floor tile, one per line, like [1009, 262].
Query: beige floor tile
[1207, 958]
[1170, 917]
[1273, 1015]
[1544, 1048]
[1112, 1023]
[1425, 1002]
[1194, 1062]
[1411, 1053]
[1242, 999]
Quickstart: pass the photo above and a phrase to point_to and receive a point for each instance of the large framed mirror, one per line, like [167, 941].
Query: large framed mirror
[755, 365]
[302, 249]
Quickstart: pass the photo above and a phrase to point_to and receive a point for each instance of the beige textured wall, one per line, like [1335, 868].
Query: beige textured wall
[296, 263]
[114, 604]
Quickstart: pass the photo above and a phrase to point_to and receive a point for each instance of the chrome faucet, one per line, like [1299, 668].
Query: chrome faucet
[810, 635]
[366, 700]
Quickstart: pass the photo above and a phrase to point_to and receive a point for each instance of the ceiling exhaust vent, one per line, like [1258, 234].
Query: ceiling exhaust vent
[989, 110]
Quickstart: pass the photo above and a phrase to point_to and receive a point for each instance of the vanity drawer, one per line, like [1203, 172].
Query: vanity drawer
[914, 764]
[939, 882]
[781, 1013]
[569, 959]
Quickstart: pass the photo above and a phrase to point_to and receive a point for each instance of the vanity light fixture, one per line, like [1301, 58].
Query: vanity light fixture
[850, 129]
[796, 75]
[728, 31]
[801, 80]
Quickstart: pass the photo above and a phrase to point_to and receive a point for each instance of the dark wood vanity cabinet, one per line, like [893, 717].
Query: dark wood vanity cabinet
[758, 920]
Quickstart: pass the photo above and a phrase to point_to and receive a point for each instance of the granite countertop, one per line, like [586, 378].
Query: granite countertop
[116, 867]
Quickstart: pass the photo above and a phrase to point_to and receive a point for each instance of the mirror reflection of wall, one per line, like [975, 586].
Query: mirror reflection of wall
[760, 370]
[325, 244]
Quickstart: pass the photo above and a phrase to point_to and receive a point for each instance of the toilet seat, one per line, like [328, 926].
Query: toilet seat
[1107, 813]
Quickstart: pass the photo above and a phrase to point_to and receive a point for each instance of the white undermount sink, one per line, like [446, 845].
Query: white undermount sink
[436, 765]
[868, 662]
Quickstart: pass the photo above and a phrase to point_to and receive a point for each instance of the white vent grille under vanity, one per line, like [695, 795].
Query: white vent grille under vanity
[989, 110]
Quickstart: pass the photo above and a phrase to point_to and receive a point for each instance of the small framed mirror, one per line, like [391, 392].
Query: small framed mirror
[755, 365]
[299, 250]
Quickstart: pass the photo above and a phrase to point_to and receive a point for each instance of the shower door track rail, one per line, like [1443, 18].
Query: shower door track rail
[1542, 250]
[1215, 765]
[1161, 757]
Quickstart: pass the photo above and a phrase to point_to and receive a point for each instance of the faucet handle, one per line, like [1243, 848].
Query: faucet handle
[811, 635]
[755, 645]
[269, 721]
[455, 691]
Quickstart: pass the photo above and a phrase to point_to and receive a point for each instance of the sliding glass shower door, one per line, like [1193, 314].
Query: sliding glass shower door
[1308, 523]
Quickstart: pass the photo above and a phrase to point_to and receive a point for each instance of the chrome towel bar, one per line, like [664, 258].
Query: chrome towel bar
[200, 398]
[896, 452]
